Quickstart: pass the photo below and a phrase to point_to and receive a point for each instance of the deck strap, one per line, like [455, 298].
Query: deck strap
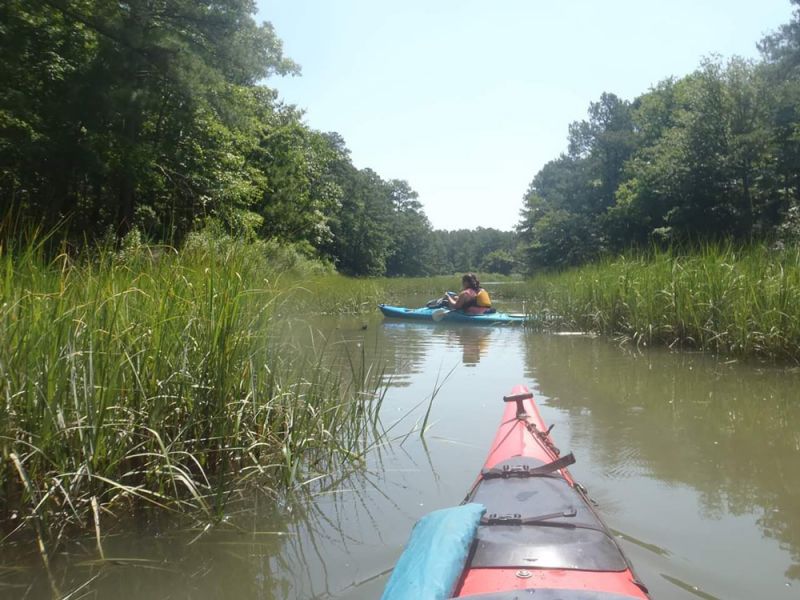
[517, 519]
[526, 471]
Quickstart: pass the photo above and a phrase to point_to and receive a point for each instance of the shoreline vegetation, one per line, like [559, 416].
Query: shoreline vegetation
[742, 302]
[144, 377]
[147, 378]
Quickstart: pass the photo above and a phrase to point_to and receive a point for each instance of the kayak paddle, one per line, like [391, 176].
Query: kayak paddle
[439, 314]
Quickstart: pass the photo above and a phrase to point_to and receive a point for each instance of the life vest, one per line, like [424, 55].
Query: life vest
[482, 299]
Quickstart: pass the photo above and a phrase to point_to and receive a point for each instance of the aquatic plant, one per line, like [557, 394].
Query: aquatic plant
[740, 301]
[147, 377]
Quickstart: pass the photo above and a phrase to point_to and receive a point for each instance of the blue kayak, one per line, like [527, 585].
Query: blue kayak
[449, 316]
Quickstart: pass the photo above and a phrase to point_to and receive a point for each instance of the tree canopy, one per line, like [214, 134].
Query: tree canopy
[708, 156]
[157, 116]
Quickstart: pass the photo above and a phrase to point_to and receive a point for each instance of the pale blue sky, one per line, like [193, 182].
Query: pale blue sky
[466, 99]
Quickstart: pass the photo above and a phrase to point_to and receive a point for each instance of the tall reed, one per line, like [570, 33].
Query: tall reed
[144, 378]
[725, 299]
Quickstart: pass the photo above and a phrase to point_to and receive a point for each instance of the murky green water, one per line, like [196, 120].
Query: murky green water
[695, 464]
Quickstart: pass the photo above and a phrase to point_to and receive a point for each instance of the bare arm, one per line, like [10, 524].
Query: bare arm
[462, 300]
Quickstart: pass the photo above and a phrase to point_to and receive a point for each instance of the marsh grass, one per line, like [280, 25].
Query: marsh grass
[145, 377]
[743, 302]
[334, 294]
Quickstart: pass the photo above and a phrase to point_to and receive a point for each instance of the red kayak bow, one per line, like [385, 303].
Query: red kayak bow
[539, 531]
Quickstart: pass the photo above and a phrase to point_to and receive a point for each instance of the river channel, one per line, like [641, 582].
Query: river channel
[694, 462]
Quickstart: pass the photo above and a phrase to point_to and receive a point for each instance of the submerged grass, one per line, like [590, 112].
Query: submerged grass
[156, 379]
[743, 302]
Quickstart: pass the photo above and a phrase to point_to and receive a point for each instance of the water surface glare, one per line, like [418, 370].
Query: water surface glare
[694, 462]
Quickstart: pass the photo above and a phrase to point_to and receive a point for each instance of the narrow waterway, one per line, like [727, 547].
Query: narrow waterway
[694, 462]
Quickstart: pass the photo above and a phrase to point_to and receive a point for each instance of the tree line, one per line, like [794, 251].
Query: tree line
[710, 156]
[153, 115]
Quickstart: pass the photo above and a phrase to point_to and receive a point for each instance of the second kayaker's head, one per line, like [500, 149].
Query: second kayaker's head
[469, 280]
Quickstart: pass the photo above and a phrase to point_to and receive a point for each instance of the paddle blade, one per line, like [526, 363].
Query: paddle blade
[439, 314]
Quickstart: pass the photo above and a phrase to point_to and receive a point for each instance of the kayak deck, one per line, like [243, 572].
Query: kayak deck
[524, 529]
[449, 316]
[539, 530]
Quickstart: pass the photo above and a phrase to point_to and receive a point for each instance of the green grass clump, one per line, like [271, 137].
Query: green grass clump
[729, 300]
[151, 377]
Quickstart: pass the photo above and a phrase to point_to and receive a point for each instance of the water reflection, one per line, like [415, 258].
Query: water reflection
[474, 343]
[419, 338]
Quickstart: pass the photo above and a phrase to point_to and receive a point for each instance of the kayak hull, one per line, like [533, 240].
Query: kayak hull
[452, 316]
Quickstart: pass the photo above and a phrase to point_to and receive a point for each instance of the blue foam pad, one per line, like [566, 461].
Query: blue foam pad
[435, 555]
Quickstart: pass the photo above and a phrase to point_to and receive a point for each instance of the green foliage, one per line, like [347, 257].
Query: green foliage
[361, 227]
[153, 377]
[464, 250]
[272, 255]
[499, 261]
[412, 253]
[562, 239]
[724, 299]
[377, 227]
[154, 116]
[114, 107]
[299, 192]
[714, 155]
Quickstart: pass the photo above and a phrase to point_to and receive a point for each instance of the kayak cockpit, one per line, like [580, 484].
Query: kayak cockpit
[537, 519]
